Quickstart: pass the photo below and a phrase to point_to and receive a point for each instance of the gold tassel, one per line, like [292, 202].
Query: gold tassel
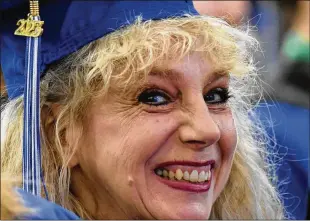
[34, 8]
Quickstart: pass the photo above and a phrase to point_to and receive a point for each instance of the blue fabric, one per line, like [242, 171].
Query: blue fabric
[6, 4]
[44, 210]
[69, 25]
[290, 128]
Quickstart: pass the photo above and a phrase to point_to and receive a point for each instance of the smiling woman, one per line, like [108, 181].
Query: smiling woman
[150, 121]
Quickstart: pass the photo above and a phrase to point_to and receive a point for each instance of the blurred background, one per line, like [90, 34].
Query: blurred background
[282, 28]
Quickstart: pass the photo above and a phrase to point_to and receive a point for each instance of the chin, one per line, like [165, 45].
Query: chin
[192, 214]
[185, 213]
[184, 209]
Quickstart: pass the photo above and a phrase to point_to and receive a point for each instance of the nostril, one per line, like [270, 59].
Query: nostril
[195, 142]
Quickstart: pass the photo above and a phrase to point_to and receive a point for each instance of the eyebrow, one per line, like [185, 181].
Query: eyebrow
[217, 75]
[174, 75]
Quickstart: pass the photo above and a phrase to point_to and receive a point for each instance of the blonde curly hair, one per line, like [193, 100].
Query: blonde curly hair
[119, 60]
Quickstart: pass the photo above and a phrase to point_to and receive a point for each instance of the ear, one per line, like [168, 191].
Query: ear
[69, 141]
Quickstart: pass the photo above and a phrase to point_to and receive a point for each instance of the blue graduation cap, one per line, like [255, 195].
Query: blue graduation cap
[50, 32]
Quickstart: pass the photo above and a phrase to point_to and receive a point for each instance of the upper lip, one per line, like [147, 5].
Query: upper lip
[187, 163]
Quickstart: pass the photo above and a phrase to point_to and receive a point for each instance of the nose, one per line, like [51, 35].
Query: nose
[199, 130]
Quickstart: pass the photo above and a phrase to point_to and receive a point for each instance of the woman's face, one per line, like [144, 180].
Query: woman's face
[177, 125]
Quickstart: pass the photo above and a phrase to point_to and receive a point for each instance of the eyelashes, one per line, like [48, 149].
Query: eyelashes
[158, 97]
[154, 97]
[217, 96]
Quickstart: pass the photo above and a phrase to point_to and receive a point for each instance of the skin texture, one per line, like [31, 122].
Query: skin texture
[124, 140]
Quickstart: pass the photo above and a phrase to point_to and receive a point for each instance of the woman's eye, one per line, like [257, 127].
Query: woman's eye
[154, 97]
[217, 96]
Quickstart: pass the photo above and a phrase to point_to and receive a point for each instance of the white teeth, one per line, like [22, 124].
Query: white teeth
[165, 173]
[201, 177]
[194, 176]
[171, 175]
[179, 174]
[159, 172]
[186, 175]
[209, 178]
[208, 175]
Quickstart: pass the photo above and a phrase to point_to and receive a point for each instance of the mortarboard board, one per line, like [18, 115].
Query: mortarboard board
[68, 26]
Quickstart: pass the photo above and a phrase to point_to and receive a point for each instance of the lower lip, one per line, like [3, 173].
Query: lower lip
[186, 186]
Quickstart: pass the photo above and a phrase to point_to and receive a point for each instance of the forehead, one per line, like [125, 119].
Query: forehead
[192, 66]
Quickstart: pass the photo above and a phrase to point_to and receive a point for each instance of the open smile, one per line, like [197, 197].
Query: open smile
[187, 176]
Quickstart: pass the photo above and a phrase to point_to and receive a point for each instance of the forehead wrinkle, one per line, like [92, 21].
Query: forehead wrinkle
[176, 75]
[169, 74]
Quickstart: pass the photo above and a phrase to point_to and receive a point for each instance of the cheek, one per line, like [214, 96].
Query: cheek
[125, 146]
[226, 146]
[119, 152]
[228, 140]
[148, 133]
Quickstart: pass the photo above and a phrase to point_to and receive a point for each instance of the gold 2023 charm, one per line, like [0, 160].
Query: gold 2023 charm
[29, 27]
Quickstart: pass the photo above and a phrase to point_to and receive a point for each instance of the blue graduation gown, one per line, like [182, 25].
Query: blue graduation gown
[291, 131]
[46, 210]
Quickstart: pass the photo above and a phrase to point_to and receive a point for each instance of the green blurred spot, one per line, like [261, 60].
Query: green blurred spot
[296, 48]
